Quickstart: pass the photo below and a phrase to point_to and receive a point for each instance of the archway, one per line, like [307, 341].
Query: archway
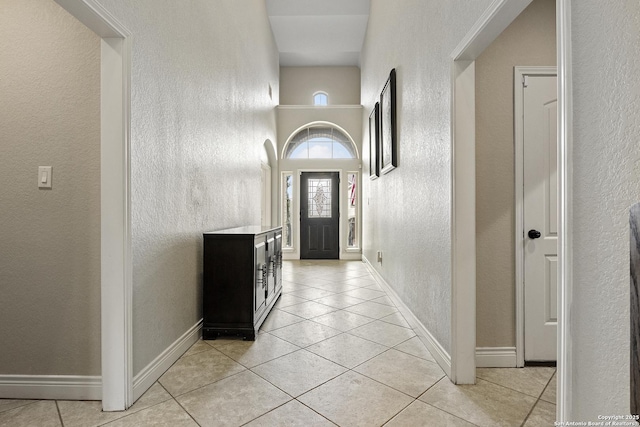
[268, 168]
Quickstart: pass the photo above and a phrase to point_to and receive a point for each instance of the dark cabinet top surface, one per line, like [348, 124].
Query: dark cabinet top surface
[246, 230]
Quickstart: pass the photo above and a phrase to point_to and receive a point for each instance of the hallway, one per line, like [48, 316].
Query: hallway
[335, 350]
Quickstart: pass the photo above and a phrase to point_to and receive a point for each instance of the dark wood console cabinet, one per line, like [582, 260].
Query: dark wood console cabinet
[242, 279]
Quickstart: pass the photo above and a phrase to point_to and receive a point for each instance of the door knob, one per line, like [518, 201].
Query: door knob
[534, 234]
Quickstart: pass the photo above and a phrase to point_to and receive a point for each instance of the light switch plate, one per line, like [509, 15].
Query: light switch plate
[44, 176]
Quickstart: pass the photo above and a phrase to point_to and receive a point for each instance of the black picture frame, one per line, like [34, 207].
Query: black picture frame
[374, 142]
[388, 130]
[634, 311]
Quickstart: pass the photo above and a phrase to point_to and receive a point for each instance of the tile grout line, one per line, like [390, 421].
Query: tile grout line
[332, 361]
[371, 320]
[396, 414]
[441, 409]
[387, 385]
[206, 385]
[249, 368]
[513, 389]
[529, 413]
[306, 406]
[28, 402]
[59, 414]
[547, 386]
[180, 405]
[142, 409]
[447, 412]
[537, 401]
[270, 410]
[344, 309]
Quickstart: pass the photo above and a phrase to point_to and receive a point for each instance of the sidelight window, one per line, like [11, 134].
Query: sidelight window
[287, 220]
[352, 209]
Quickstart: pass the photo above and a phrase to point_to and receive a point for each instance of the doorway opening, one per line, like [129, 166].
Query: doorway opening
[463, 250]
[118, 392]
[530, 39]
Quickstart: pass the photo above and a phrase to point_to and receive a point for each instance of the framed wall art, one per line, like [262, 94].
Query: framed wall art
[388, 131]
[374, 142]
[634, 222]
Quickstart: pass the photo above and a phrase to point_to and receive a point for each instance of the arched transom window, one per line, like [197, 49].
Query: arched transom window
[320, 142]
[320, 99]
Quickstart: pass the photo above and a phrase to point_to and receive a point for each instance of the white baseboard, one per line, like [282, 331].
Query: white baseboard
[435, 348]
[496, 357]
[59, 387]
[79, 387]
[154, 370]
[290, 256]
[351, 256]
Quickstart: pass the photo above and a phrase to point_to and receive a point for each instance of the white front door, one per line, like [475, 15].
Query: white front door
[540, 216]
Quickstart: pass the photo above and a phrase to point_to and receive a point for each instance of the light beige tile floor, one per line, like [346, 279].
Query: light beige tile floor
[334, 351]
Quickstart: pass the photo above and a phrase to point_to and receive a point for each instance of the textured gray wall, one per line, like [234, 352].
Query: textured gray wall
[201, 112]
[606, 176]
[407, 212]
[529, 40]
[50, 239]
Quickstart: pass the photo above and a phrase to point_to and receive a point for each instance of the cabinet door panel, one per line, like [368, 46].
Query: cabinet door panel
[261, 268]
[278, 261]
[271, 259]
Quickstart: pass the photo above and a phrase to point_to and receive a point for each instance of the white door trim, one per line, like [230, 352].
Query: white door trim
[115, 200]
[518, 115]
[463, 226]
[565, 231]
[490, 25]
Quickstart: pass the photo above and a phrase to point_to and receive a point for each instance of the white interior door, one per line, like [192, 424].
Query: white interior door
[540, 216]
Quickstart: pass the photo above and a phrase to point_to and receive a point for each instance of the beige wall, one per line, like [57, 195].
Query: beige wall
[50, 239]
[298, 84]
[529, 40]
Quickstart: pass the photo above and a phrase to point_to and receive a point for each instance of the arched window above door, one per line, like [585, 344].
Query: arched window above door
[320, 142]
[320, 99]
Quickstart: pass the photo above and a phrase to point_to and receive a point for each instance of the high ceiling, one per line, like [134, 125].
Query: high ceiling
[319, 32]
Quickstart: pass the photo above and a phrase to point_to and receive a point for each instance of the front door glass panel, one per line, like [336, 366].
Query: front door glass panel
[319, 198]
